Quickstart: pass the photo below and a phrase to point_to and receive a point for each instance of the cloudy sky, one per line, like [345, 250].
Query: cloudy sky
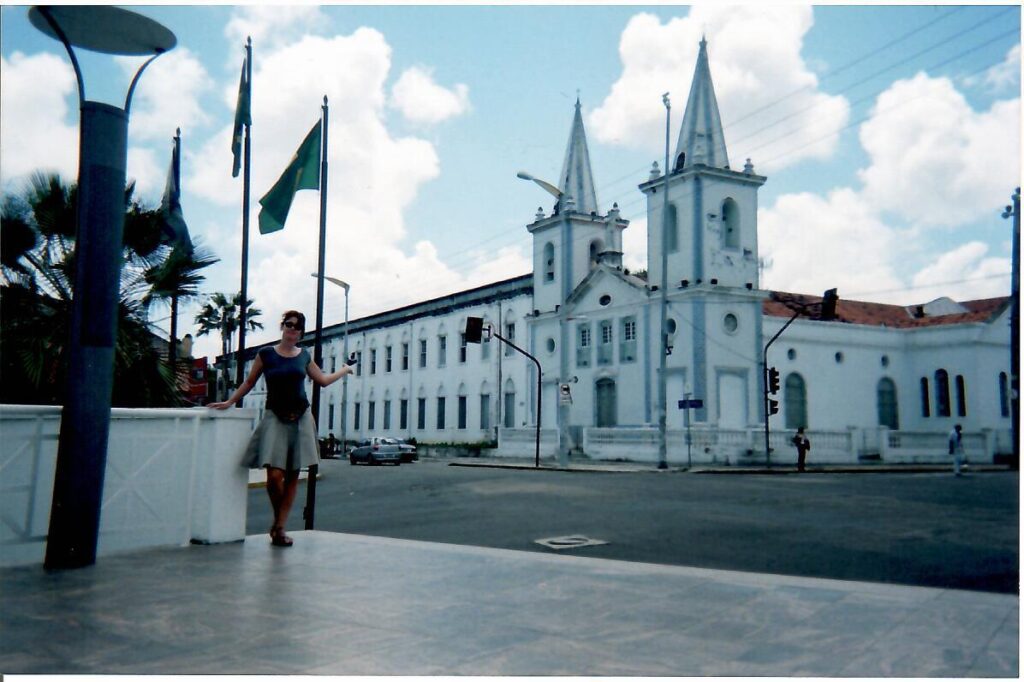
[890, 136]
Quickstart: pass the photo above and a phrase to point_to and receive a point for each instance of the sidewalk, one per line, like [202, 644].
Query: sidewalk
[599, 466]
[339, 604]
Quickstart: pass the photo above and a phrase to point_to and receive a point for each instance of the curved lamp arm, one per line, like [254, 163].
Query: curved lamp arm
[546, 186]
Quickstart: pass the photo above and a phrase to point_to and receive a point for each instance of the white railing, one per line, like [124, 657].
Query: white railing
[746, 446]
[172, 476]
[933, 447]
[522, 442]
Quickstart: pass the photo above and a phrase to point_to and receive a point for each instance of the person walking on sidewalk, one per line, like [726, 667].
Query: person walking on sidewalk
[956, 448]
[802, 446]
[285, 439]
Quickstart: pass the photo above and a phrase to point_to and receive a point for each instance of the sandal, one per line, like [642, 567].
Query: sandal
[278, 538]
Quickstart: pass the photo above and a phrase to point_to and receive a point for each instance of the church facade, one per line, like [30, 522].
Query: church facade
[867, 380]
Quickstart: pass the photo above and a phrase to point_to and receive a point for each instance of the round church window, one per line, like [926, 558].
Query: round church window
[730, 323]
[551, 345]
[605, 300]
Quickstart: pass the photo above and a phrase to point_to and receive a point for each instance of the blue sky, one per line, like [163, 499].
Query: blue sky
[890, 136]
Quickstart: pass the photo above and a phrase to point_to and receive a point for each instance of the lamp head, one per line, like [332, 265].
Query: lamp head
[110, 30]
[523, 175]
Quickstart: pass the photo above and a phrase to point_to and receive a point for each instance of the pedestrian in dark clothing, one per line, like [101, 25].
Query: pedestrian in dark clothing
[802, 446]
[956, 448]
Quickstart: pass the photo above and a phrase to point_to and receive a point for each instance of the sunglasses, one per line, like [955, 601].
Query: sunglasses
[293, 325]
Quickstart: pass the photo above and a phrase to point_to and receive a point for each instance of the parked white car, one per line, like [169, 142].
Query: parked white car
[375, 451]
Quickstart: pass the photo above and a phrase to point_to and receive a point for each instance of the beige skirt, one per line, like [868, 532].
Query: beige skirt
[282, 446]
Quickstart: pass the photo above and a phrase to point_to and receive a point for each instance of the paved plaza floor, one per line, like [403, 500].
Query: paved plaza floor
[338, 604]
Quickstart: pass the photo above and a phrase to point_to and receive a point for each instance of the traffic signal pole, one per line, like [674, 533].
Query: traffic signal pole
[767, 416]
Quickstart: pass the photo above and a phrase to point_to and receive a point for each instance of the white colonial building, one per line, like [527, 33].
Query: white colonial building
[876, 381]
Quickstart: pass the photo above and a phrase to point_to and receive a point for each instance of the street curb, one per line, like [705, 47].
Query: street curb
[774, 471]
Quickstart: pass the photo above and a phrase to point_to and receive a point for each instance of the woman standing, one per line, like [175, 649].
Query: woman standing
[285, 440]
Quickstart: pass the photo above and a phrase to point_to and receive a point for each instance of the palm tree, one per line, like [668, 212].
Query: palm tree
[37, 228]
[174, 280]
[220, 314]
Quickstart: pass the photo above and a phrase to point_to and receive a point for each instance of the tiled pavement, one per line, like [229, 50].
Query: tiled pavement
[342, 604]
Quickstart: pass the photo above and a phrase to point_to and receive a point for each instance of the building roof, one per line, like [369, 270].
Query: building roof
[700, 136]
[577, 180]
[784, 304]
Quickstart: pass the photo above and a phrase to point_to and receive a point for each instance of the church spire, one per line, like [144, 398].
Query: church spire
[576, 180]
[701, 139]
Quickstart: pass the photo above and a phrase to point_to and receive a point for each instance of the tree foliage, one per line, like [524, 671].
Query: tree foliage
[37, 242]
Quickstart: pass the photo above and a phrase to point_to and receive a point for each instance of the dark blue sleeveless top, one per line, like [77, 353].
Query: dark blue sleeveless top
[286, 391]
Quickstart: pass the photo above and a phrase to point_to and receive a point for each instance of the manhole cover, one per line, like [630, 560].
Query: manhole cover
[570, 542]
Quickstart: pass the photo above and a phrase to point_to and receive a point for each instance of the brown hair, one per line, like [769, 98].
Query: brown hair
[294, 313]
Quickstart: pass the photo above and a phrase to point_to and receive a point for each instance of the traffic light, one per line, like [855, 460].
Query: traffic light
[474, 329]
[773, 381]
[828, 305]
[773, 407]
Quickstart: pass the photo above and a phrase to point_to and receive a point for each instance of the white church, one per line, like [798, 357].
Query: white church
[873, 382]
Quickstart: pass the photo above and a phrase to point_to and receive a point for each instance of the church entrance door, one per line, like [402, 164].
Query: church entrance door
[606, 404]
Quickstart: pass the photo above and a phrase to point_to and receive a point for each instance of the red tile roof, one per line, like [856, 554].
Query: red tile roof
[783, 304]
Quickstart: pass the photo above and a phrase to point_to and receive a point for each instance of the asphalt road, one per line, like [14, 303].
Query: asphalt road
[920, 529]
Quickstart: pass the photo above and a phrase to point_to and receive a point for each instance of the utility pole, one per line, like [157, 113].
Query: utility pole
[1013, 211]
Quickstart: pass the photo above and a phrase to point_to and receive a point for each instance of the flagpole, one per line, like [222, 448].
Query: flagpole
[242, 321]
[172, 351]
[318, 337]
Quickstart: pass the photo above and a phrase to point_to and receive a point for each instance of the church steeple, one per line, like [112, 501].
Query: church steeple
[700, 138]
[576, 180]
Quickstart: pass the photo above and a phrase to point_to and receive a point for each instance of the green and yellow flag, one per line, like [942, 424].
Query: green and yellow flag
[302, 173]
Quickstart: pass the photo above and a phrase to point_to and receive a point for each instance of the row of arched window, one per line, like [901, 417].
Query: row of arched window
[943, 404]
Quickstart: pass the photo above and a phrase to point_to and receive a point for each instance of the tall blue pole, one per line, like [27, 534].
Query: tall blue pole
[310, 510]
[244, 289]
[103, 156]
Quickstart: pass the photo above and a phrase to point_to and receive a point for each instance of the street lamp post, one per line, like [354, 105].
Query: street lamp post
[1013, 211]
[344, 352]
[563, 324]
[103, 156]
[663, 346]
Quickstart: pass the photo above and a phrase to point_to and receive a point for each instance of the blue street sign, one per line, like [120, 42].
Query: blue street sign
[694, 403]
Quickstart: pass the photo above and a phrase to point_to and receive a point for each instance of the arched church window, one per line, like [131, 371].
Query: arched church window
[672, 230]
[888, 410]
[942, 393]
[596, 247]
[796, 401]
[730, 224]
[1004, 395]
[926, 407]
[549, 262]
[961, 397]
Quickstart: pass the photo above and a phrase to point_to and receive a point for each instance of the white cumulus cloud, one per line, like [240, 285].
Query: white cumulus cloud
[168, 96]
[422, 100]
[934, 160]
[271, 26]
[34, 130]
[755, 59]
[815, 243]
[976, 275]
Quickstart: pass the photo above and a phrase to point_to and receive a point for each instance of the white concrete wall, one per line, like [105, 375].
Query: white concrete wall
[172, 477]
